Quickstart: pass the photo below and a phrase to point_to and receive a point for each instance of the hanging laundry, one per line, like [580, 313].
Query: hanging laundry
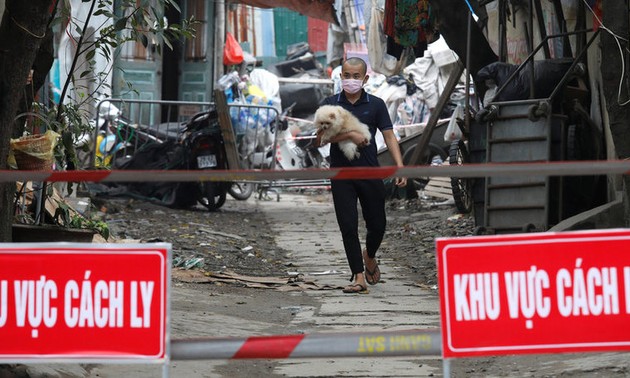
[412, 18]
[408, 23]
[390, 18]
[380, 60]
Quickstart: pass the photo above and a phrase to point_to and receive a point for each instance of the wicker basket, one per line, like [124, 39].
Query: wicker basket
[28, 162]
[34, 152]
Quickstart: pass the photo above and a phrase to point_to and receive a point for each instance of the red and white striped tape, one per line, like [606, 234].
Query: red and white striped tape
[300, 137]
[564, 168]
[298, 119]
[397, 126]
[372, 344]
[422, 124]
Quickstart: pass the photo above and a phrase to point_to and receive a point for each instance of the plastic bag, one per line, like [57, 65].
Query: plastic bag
[254, 90]
[267, 82]
[453, 132]
[380, 61]
[547, 75]
[232, 52]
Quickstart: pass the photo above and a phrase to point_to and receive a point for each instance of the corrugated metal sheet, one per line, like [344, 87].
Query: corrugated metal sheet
[320, 9]
[290, 28]
[268, 33]
[317, 34]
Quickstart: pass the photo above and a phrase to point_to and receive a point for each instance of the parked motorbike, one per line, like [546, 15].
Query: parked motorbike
[204, 143]
[194, 145]
[299, 151]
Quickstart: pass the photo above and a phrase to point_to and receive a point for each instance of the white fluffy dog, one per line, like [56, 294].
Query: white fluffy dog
[333, 120]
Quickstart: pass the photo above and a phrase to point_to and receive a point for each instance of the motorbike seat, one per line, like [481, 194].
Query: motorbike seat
[164, 131]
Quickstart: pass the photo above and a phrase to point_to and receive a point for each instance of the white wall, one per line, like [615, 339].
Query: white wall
[67, 49]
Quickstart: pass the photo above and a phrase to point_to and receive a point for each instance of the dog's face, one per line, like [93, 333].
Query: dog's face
[328, 117]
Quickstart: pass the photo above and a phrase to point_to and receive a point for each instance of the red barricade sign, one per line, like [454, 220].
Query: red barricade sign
[84, 301]
[535, 293]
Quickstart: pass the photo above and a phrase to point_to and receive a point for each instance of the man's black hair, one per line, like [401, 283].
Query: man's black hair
[355, 61]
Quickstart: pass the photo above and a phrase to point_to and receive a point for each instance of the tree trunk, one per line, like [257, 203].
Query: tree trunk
[41, 67]
[615, 17]
[22, 29]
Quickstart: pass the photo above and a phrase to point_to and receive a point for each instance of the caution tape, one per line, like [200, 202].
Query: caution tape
[300, 137]
[298, 119]
[397, 126]
[422, 124]
[368, 344]
[564, 168]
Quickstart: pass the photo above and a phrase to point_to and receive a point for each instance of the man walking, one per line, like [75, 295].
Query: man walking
[370, 193]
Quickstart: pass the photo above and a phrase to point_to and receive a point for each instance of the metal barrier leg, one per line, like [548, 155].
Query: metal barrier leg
[264, 190]
[446, 367]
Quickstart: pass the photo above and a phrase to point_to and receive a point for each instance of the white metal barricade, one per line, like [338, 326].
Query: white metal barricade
[262, 139]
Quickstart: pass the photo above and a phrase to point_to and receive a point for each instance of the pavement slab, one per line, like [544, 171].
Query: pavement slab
[315, 244]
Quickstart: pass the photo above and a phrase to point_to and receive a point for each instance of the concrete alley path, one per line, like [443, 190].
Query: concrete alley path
[307, 228]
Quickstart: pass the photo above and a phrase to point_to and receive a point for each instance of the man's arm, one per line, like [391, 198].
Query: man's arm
[392, 146]
[357, 138]
[394, 150]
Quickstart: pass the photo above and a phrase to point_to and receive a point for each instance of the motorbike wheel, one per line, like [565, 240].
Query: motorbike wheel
[432, 152]
[461, 187]
[213, 195]
[241, 190]
[183, 196]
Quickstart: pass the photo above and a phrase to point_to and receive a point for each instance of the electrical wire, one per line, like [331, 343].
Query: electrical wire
[623, 60]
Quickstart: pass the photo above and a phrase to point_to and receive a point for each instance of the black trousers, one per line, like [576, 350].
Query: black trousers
[371, 196]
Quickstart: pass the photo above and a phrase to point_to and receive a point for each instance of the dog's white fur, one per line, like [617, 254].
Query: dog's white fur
[333, 120]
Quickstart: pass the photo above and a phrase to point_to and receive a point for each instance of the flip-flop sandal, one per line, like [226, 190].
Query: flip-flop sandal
[373, 276]
[355, 288]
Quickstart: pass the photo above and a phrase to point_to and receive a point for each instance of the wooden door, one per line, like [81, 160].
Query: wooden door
[138, 71]
[195, 81]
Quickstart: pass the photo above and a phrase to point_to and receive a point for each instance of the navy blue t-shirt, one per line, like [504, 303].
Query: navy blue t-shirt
[370, 110]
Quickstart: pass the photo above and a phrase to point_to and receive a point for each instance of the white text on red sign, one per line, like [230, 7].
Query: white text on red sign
[530, 293]
[84, 301]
